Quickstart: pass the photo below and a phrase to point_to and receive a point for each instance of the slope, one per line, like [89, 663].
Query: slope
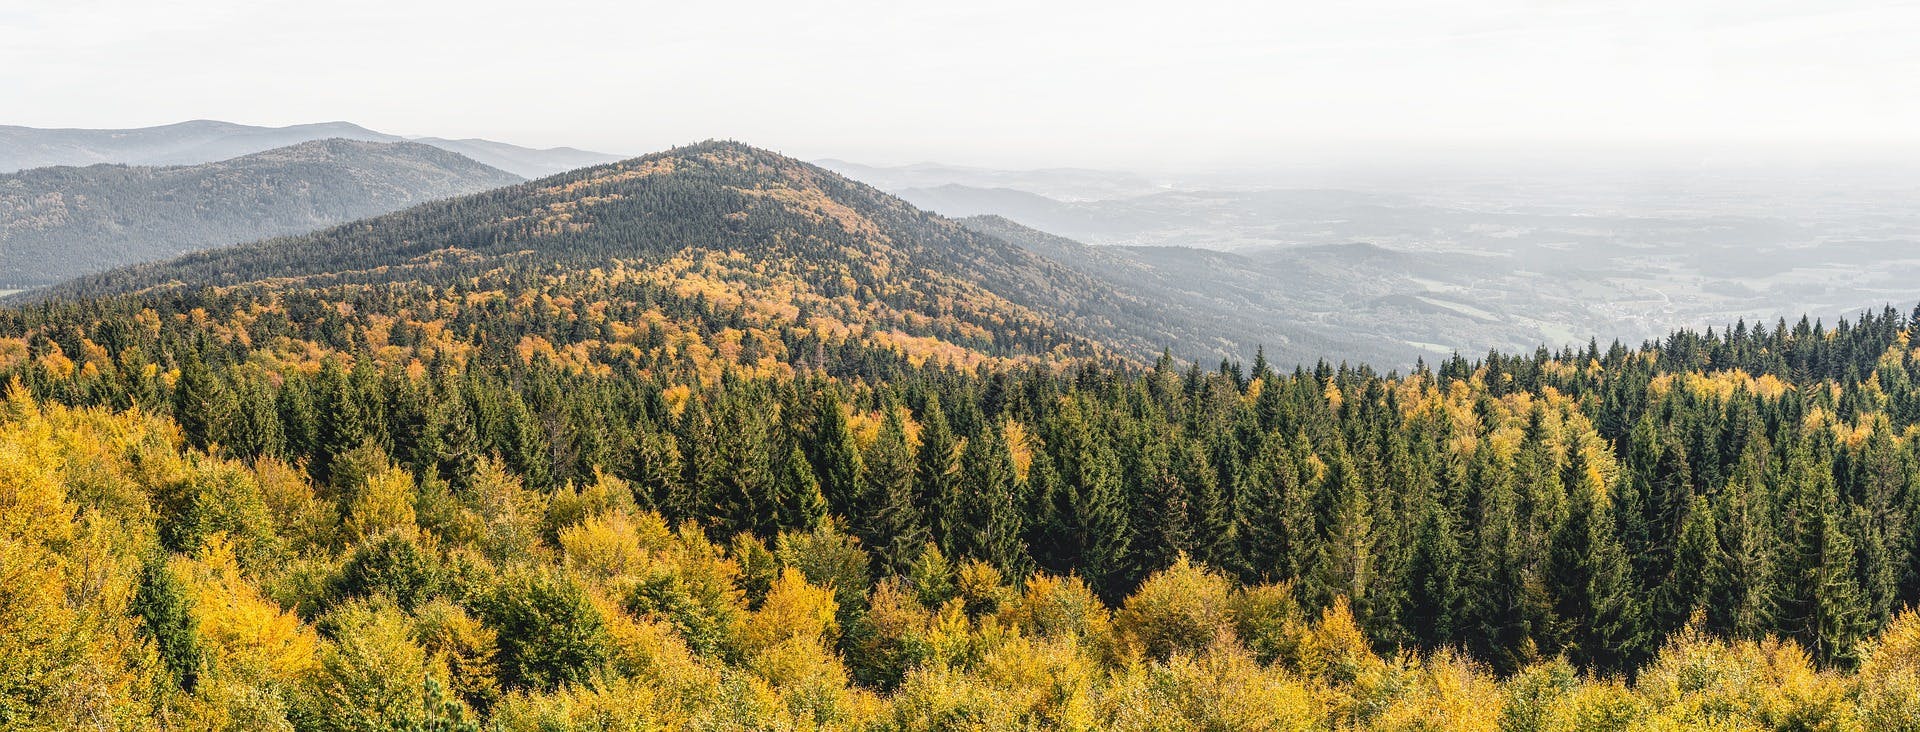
[750, 239]
[61, 222]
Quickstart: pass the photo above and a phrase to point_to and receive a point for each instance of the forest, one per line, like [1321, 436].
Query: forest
[490, 487]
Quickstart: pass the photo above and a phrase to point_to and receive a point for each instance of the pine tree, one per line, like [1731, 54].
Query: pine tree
[457, 447]
[202, 405]
[1159, 508]
[990, 524]
[1741, 599]
[1275, 524]
[743, 469]
[1209, 524]
[1597, 622]
[1086, 503]
[1434, 600]
[897, 530]
[341, 419]
[1822, 605]
[1697, 560]
[1345, 565]
[797, 501]
[837, 458]
[937, 477]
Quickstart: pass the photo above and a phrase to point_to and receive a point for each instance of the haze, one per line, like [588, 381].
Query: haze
[1106, 84]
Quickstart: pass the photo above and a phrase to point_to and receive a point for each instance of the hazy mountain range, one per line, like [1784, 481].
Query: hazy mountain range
[62, 222]
[1150, 261]
[1465, 262]
[205, 141]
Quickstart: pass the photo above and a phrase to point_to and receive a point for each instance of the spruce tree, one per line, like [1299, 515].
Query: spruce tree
[936, 477]
[991, 524]
[897, 529]
[201, 404]
[837, 459]
[797, 502]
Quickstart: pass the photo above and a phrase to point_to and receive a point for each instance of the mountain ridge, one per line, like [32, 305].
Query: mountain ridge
[60, 222]
[730, 223]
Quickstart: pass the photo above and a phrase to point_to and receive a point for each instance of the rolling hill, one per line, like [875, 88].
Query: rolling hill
[205, 141]
[1301, 304]
[750, 239]
[456, 442]
[62, 222]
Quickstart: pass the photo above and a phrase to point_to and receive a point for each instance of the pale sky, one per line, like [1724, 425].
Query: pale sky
[991, 82]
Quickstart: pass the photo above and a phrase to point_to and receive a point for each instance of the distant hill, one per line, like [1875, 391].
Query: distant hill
[1357, 301]
[205, 141]
[62, 222]
[765, 241]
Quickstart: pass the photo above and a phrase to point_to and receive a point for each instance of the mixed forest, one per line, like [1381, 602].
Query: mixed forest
[715, 440]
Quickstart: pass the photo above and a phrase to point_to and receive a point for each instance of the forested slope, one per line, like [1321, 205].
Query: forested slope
[706, 466]
[61, 222]
[719, 222]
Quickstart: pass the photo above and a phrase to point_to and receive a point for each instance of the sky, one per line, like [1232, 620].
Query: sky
[990, 82]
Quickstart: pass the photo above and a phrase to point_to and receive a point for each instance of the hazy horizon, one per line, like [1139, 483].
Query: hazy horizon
[1218, 85]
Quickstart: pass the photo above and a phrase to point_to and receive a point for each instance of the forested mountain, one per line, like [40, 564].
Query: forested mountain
[786, 242]
[206, 141]
[715, 439]
[58, 223]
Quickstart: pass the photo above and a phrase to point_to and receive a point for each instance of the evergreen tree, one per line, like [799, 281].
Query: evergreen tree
[897, 530]
[202, 405]
[937, 477]
[1086, 504]
[990, 521]
[837, 459]
[797, 502]
[342, 423]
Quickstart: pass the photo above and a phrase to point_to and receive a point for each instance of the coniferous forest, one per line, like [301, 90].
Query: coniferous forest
[714, 440]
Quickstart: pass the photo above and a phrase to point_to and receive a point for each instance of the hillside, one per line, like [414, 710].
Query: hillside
[715, 439]
[787, 244]
[62, 222]
[205, 141]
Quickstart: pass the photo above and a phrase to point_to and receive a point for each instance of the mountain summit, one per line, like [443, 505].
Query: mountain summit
[765, 238]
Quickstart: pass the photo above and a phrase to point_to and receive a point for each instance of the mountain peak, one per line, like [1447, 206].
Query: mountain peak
[768, 239]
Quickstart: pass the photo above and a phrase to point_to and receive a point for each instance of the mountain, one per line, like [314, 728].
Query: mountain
[525, 162]
[205, 141]
[758, 239]
[716, 439]
[1502, 262]
[62, 222]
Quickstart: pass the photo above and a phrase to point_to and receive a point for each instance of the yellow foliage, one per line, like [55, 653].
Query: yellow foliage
[249, 634]
[605, 547]
[793, 610]
[383, 503]
[1180, 610]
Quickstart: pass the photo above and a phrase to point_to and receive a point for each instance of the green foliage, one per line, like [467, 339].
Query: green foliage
[550, 634]
[166, 612]
[448, 438]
